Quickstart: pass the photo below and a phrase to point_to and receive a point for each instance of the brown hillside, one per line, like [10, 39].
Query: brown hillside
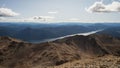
[19, 54]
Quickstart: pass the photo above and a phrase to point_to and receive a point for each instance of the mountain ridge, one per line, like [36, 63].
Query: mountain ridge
[17, 54]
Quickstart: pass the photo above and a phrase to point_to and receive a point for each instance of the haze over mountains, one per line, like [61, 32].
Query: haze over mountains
[32, 32]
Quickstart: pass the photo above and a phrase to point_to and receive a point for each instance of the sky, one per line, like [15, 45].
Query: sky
[60, 11]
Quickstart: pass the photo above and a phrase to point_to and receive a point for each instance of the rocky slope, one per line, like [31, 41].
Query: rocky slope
[107, 61]
[18, 54]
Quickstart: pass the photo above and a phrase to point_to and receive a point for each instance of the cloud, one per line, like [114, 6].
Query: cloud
[5, 12]
[53, 12]
[43, 17]
[28, 19]
[101, 7]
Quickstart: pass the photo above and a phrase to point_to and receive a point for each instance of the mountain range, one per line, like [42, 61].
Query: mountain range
[32, 32]
[99, 49]
[19, 54]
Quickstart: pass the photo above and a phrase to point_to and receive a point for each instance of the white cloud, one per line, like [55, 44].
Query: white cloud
[29, 19]
[5, 12]
[43, 17]
[53, 12]
[101, 7]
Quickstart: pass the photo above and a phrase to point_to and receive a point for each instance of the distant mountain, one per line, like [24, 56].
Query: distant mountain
[18, 54]
[32, 32]
[29, 34]
[114, 31]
